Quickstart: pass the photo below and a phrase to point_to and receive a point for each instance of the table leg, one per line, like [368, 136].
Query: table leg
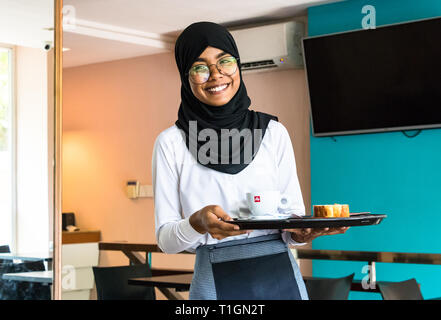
[148, 259]
[134, 257]
[170, 294]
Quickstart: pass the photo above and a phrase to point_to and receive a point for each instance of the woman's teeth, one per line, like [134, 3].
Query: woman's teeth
[218, 88]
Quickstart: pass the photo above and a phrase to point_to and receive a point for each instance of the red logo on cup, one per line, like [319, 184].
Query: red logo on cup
[256, 198]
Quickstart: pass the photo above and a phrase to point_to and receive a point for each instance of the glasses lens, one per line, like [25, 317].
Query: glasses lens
[199, 73]
[227, 65]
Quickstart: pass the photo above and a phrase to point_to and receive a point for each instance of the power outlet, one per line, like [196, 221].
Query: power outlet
[146, 191]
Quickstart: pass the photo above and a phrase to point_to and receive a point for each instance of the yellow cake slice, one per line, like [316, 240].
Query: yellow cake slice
[331, 211]
[344, 211]
[337, 210]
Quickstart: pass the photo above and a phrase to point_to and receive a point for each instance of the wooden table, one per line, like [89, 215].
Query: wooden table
[371, 257]
[356, 284]
[181, 282]
[80, 236]
[178, 282]
[131, 250]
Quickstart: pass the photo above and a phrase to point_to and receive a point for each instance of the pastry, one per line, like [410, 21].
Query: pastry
[331, 211]
[344, 211]
[337, 210]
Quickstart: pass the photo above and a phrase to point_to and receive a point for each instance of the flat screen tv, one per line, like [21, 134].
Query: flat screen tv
[375, 80]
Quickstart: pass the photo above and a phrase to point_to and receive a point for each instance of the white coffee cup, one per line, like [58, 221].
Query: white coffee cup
[265, 204]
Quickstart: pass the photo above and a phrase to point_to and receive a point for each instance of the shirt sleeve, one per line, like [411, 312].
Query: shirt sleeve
[173, 232]
[288, 180]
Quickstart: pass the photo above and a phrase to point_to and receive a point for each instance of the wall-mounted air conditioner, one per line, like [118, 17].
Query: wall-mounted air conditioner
[270, 47]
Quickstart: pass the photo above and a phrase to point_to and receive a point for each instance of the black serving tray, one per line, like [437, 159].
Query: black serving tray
[354, 220]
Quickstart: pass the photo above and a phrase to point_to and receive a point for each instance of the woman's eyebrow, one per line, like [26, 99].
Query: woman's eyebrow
[217, 57]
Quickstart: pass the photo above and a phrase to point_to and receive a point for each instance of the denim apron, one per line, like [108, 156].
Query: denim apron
[258, 268]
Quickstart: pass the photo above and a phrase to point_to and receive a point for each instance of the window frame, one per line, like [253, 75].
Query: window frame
[13, 141]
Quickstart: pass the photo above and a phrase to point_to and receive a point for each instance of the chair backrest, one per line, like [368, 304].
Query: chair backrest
[112, 283]
[4, 249]
[404, 290]
[329, 289]
[22, 290]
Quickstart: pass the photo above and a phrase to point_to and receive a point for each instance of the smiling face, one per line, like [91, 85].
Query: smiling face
[219, 88]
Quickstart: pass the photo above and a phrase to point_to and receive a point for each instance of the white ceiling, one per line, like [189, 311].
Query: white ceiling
[26, 23]
[165, 16]
[105, 30]
[87, 50]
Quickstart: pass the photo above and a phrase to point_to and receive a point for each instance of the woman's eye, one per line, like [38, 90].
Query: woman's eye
[227, 60]
[200, 68]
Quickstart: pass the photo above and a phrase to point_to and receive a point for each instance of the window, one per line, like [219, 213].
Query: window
[7, 150]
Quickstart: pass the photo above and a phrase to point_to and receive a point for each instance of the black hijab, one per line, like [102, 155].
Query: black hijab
[233, 115]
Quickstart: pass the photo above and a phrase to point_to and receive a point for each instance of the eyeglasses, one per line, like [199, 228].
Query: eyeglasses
[200, 73]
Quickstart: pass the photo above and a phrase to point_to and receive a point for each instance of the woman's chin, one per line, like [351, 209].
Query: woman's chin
[217, 101]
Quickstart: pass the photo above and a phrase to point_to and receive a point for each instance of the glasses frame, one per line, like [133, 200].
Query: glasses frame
[187, 74]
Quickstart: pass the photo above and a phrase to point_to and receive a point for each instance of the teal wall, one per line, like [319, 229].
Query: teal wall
[382, 173]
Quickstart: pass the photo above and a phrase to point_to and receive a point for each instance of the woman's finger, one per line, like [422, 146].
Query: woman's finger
[341, 229]
[296, 231]
[218, 219]
[224, 226]
[224, 233]
[336, 231]
[318, 231]
[220, 213]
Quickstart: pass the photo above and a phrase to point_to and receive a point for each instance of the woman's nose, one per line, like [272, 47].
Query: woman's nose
[214, 72]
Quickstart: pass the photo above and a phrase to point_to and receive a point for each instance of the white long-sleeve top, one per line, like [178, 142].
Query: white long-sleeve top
[182, 187]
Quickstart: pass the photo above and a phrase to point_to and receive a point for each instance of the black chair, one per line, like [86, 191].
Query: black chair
[23, 290]
[404, 290]
[112, 283]
[329, 289]
[4, 249]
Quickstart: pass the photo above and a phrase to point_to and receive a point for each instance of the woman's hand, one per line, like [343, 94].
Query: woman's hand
[309, 234]
[211, 219]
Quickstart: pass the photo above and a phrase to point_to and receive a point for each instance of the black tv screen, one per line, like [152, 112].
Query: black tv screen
[383, 79]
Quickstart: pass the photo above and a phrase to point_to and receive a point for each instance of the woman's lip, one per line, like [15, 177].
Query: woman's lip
[218, 92]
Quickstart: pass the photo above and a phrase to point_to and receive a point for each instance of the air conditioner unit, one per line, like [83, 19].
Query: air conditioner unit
[270, 47]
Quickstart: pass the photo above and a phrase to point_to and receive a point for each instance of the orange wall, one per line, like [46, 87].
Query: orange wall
[112, 113]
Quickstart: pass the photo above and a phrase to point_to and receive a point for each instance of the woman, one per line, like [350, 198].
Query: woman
[199, 184]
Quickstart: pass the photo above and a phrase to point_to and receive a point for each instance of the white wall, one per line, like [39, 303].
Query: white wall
[26, 22]
[32, 150]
